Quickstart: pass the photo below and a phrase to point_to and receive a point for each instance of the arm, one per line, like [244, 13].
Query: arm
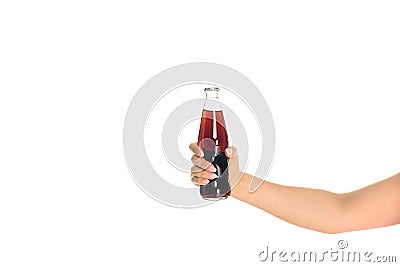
[373, 206]
[376, 205]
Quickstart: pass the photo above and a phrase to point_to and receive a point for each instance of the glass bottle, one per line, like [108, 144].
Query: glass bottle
[213, 140]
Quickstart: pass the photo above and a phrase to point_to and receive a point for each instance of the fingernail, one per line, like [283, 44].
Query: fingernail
[211, 168]
[212, 175]
[200, 153]
[229, 151]
[205, 181]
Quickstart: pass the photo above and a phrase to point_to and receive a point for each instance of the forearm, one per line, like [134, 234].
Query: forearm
[309, 208]
[373, 206]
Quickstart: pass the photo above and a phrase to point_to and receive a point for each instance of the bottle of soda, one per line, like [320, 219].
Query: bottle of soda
[213, 140]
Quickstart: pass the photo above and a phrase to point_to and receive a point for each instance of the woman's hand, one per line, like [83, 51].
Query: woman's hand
[203, 171]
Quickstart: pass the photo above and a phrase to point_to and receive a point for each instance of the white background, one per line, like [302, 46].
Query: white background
[69, 69]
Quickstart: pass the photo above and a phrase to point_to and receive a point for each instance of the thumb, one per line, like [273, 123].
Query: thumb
[230, 152]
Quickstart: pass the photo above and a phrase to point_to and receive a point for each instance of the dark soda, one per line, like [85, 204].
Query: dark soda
[213, 140]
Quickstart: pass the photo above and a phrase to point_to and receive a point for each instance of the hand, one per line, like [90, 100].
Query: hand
[203, 171]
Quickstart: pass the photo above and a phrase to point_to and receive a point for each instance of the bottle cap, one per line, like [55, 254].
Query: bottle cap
[208, 89]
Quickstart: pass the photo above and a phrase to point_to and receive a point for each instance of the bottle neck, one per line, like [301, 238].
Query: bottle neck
[212, 101]
[212, 94]
[212, 104]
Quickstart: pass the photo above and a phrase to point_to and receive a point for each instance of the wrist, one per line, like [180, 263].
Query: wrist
[240, 185]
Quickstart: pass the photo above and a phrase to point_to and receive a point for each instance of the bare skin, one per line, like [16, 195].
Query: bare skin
[376, 205]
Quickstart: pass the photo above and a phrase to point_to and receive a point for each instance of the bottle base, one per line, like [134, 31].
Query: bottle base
[215, 198]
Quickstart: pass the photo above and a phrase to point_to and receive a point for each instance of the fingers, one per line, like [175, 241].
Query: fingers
[203, 171]
[199, 181]
[200, 173]
[202, 163]
[196, 169]
[196, 149]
